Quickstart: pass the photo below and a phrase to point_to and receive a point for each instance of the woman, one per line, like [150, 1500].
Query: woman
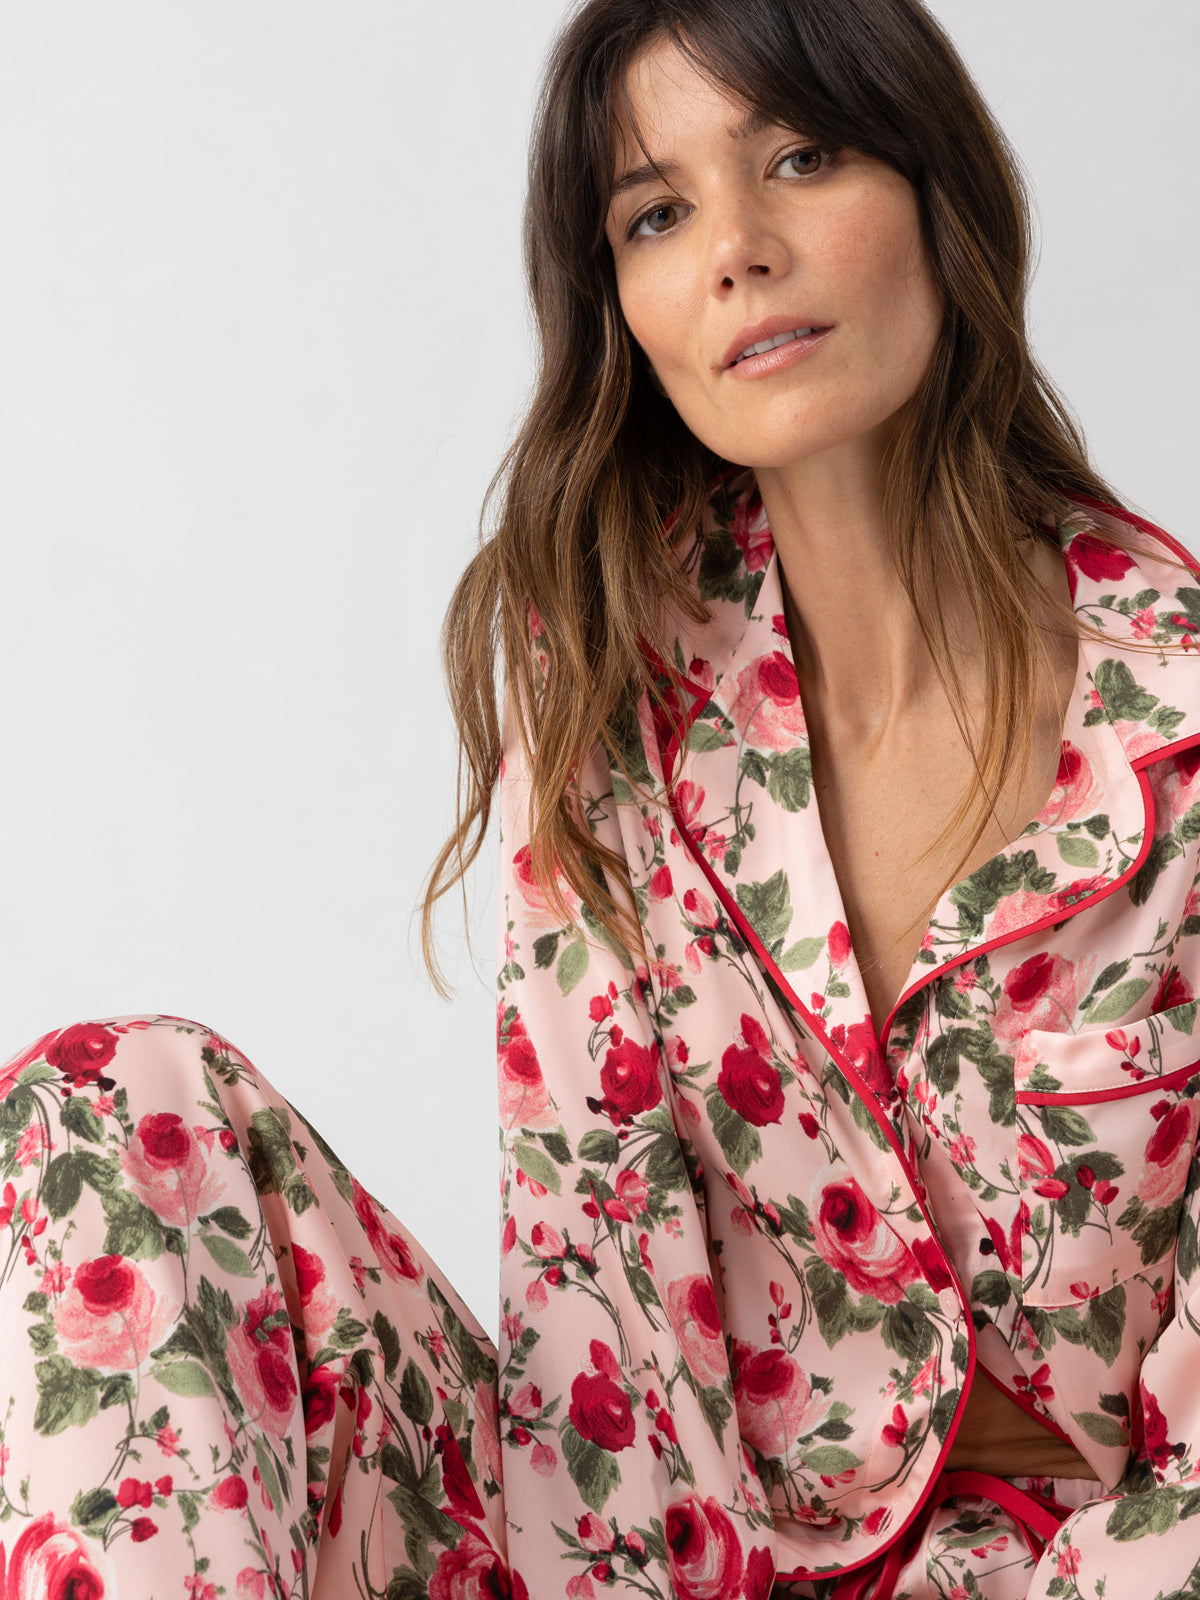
[846, 1023]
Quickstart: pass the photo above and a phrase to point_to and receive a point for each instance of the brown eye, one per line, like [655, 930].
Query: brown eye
[804, 162]
[661, 220]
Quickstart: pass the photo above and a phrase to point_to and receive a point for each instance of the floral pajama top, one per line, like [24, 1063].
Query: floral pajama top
[754, 1256]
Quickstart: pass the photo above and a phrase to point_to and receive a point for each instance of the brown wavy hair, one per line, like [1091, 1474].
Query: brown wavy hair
[986, 447]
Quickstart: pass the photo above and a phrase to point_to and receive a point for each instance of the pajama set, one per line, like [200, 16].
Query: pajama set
[754, 1253]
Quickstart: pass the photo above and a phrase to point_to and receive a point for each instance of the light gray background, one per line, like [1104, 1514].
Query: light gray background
[262, 342]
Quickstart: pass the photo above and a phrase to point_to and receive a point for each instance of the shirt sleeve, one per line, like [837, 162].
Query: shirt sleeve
[622, 1462]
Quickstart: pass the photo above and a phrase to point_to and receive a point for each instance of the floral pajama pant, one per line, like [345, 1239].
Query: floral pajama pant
[227, 1370]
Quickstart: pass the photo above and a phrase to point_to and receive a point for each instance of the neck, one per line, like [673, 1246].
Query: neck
[857, 642]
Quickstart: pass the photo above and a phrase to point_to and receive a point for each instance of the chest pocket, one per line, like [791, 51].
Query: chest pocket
[1106, 1129]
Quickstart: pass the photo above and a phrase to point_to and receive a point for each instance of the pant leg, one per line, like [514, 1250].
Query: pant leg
[226, 1369]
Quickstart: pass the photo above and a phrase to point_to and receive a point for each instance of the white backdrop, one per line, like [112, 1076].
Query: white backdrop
[262, 342]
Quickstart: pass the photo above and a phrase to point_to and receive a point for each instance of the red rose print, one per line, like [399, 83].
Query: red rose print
[82, 1052]
[524, 1098]
[392, 1248]
[600, 1411]
[262, 1359]
[1026, 984]
[851, 1235]
[629, 1078]
[473, 1571]
[760, 1574]
[230, 1494]
[766, 706]
[1173, 990]
[109, 1315]
[170, 1170]
[320, 1398]
[750, 1085]
[692, 1307]
[50, 1561]
[456, 1480]
[775, 1405]
[1098, 559]
[704, 1557]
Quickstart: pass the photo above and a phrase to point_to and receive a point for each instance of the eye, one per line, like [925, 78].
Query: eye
[658, 220]
[804, 163]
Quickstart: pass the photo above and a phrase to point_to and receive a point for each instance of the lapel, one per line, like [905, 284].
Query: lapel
[743, 797]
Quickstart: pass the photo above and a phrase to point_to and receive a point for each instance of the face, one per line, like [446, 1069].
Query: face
[758, 235]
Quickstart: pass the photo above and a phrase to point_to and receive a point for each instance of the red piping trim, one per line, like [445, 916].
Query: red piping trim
[1138, 768]
[1091, 1097]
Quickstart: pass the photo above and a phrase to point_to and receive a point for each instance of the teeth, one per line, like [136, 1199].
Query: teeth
[773, 344]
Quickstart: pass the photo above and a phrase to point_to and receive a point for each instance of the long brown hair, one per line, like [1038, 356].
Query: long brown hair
[603, 462]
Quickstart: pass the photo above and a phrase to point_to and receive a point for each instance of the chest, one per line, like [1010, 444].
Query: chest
[892, 813]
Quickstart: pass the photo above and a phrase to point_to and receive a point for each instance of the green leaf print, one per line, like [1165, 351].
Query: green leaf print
[79, 1118]
[737, 1138]
[1137, 1515]
[545, 948]
[768, 907]
[92, 1511]
[572, 965]
[1117, 1002]
[62, 1186]
[68, 1396]
[231, 1221]
[800, 956]
[187, 1378]
[133, 1229]
[1104, 1430]
[1123, 699]
[594, 1471]
[270, 1155]
[389, 1344]
[535, 1164]
[1076, 851]
[830, 1459]
[228, 1256]
[416, 1397]
[1065, 1125]
[790, 779]
[599, 1146]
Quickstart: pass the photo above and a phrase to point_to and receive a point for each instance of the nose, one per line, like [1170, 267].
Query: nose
[743, 245]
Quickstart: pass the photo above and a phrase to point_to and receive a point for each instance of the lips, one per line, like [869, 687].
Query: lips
[771, 332]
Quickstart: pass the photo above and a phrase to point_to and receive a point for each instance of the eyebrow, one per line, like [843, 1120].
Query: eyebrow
[654, 171]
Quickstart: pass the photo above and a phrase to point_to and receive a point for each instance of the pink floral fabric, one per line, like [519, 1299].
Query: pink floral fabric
[754, 1255]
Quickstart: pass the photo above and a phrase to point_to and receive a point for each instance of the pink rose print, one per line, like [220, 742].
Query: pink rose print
[51, 1561]
[1169, 1153]
[766, 707]
[473, 1571]
[110, 1317]
[775, 1404]
[853, 1238]
[319, 1308]
[168, 1169]
[391, 1247]
[692, 1307]
[532, 892]
[704, 1557]
[1076, 793]
[82, 1051]
[263, 1362]
[524, 1098]
[1043, 992]
[486, 1437]
[752, 533]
